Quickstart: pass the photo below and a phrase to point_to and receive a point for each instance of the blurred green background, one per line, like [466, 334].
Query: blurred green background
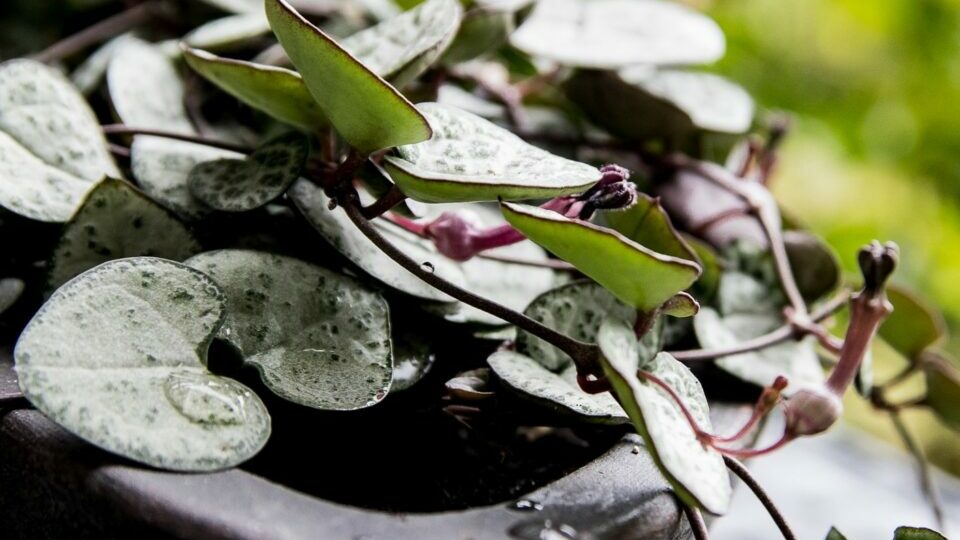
[874, 86]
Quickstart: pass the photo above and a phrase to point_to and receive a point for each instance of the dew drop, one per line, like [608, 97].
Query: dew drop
[206, 399]
[524, 505]
[427, 267]
[543, 530]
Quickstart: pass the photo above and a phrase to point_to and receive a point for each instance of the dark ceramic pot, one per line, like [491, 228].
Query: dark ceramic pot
[54, 485]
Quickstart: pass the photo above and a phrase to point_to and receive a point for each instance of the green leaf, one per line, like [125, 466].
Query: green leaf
[815, 265]
[52, 151]
[914, 324]
[745, 318]
[275, 91]
[401, 48]
[943, 387]
[917, 533]
[238, 185]
[482, 30]
[834, 534]
[638, 276]
[472, 159]
[146, 92]
[378, 183]
[647, 223]
[696, 471]
[117, 356]
[559, 392]
[363, 108]
[317, 338]
[228, 32]
[709, 281]
[608, 34]
[681, 305]
[337, 229]
[117, 221]
[576, 310]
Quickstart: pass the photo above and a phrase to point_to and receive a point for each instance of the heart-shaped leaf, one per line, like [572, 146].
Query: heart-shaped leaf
[917, 533]
[745, 318]
[117, 356]
[696, 471]
[943, 387]
[608, 34]
[913, 326]
[52, 150]
[576, 310]
[146, 92]
[238, 185]
[337, 229]
[815, 265]
[318, 338]
[472, 159]
[117, 221]
[276, 91]
[557, 391]
[647, 223]
[638, 276]
[228, 32]
[401, 48]
[363, 108]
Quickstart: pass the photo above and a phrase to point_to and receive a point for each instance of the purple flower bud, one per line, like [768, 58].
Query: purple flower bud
[454, 235]
[811, 411]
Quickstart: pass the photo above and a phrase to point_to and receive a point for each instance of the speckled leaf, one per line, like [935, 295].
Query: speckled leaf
[146, 92]
[647, 223]
[815, 265]
[10, 291]
[560, 392]
[943, 387]
[744, 319]
[90, 73]
[913, 326]
[576, 310]
[228, 32]
[638, 276]
[917, 533]
[401, 48]
[318, 338]
[696, 472]
[236, 6]
[238, 185]
[472, 159]
[337, 229]
[117, 221]
[607, 34]
[117, 356]
[276, 91]
[52, 151]
[364, 109]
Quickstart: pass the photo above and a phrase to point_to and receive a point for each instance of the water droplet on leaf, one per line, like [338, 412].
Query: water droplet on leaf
[206, 399]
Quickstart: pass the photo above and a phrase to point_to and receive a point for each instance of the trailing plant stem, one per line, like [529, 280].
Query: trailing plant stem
[695, 518]
[121, 129]
[738, 469]
[101, 31]
[923, 468]
[584, 355]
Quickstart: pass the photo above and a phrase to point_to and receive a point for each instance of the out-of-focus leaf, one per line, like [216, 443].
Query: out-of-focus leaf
[943, 387]
[917, 533]
[913, 326]
[815, 265]
[228, 32]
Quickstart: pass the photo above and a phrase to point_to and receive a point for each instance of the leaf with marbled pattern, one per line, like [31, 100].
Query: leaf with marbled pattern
[117, 356]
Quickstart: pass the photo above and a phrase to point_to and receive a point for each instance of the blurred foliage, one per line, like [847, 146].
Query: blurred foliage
[875, 151]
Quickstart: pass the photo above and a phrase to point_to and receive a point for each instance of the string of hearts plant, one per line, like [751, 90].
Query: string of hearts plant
[676, 258]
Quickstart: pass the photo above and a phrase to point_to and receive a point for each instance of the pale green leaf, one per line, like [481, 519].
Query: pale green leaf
[117, 357]
[401, 48]
[365, 110]
[10, 291]
[472, 159]
[117, 221]
[318, 338]
[608, 34]
[276, 91]
[228, 32]
[52, 151]
[638, 276]
[696, 471]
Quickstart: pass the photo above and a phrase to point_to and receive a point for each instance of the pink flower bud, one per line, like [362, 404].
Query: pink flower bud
[811, 411]
[454, 235]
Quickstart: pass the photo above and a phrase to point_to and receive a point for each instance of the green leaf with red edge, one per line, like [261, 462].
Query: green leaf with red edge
[637, 275]
[696, 472]
[914, 324]
[366, 111]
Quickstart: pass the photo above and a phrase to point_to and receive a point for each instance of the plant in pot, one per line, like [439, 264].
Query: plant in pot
[524, 287]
